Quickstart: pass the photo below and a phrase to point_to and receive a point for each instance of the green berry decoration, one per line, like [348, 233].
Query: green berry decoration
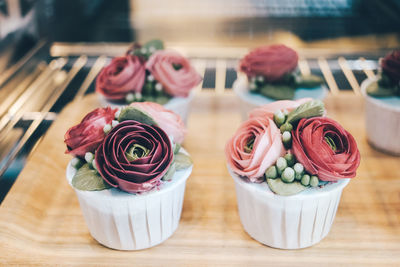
[290, 159]
[107, 128]
[89, 157]
[281, 165]
[279, 118]
[288, 175]
[305, 180]
[314, 181]
[271, 172]
[76, 163]
[286, 127]
[287, 139]
[129, 98]
[299, 170]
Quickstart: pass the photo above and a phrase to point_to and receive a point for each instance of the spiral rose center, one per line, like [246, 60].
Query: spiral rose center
[249, 145]
[136, 152]
[177, 66]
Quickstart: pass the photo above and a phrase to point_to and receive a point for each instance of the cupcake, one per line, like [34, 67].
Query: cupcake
[290, 164]
[382, 105]
[269, 73]
[149, 73]
[129, 173]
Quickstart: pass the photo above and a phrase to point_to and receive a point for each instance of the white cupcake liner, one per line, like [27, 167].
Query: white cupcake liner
[124, 221]
[250, 101]
[382, 122]
[287, 222]
[179, 105]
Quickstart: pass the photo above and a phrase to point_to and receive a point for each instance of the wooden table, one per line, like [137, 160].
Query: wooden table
[41, 222]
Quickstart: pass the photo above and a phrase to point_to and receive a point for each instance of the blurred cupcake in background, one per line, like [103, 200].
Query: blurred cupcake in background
[149, 73]
[382, 105]
[270, 73]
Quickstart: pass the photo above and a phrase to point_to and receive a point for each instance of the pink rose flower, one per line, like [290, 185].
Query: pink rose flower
[266, 148]
[271, 62]
[325, 149]
[123, 75]
[88, 134]
[167, 120]
[174, 72]
[268, 110]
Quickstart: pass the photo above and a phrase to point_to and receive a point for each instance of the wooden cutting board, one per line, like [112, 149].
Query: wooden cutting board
[41, 222]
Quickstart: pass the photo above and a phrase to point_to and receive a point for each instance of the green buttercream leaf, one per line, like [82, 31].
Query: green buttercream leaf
[182, 161]
[177, 147]
[157, 44]
[308, 81]
[170, 173]
[132, 113]
[374, 89]
[87, 179]
[277, 92]
[285, 189]
[313, 108]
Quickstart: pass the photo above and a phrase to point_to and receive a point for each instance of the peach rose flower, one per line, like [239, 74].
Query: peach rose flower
[174, 72]
[256, 145]
[123, 75]
[167, 120]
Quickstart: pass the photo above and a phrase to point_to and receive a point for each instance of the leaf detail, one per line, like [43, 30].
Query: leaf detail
[182, 161]
[132, 113]
[277, 92]
[170, 173]
[87, 179]
[374, 89]
[177, 147]
[156, 44]
[285, 189]
[313, 108]
[308, 81]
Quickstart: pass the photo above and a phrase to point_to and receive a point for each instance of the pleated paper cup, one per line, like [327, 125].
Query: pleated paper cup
[382, 120]
[250, 101]
[179, 105]
[124, 221]
[287, 222]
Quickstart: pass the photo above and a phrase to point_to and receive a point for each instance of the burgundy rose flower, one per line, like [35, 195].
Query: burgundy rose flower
[391, 66]
[88, 134]
[271, 62]
[325, 149]
[122, 76]
[174, 72]
[134, 156]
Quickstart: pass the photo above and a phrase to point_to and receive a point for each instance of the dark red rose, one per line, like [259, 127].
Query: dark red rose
[122, 76]
[134, 156]
[325, 149]
[271, 62]
[391, 66]
[88, 134]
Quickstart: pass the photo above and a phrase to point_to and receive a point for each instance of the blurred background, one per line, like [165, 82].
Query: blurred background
[52, 50]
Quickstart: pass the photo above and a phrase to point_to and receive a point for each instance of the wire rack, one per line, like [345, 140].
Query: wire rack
[34, 90]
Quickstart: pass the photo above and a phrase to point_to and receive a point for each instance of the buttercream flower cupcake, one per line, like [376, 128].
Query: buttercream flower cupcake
[269, 73]
[129, 173]
[149, 73]
[382, 105]
[290, 164]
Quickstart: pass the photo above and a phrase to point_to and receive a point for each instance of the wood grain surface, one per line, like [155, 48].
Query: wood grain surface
[41, 222]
